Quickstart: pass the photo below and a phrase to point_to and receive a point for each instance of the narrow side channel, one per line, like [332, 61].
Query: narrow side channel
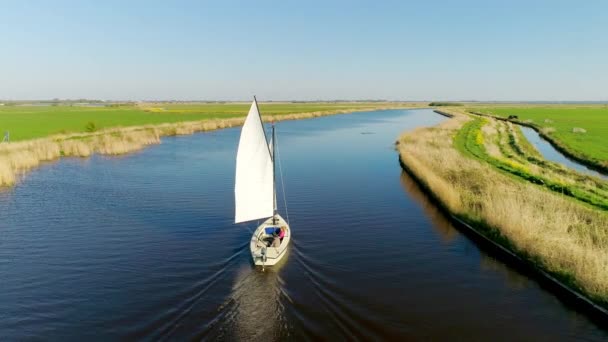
[507, 215]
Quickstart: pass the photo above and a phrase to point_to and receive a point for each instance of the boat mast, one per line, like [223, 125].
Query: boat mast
[264, 130]
[274, 176]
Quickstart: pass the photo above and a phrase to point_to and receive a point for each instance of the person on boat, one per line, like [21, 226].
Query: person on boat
[278, 234]
[276, 242]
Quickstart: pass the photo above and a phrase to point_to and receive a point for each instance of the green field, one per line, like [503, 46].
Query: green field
[560, 120]
[27, 122]
[516, 161]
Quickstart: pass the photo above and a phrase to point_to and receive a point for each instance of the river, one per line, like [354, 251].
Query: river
[143, 246]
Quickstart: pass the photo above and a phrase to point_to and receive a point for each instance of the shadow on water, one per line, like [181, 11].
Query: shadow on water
[441, 224]
[516, 278]
[449, 234]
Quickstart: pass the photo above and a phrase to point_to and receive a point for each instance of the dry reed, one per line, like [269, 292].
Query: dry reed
[561, 235]
[19, 157]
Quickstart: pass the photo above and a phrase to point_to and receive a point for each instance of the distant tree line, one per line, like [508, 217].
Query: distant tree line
[444, 104]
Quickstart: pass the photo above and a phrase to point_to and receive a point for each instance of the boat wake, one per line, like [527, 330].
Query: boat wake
[255, 309]
[175, 314]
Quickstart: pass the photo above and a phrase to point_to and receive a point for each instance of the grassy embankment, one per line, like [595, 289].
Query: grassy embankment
[43, 133]
[502, 145]
[562, 124]
[465, 164]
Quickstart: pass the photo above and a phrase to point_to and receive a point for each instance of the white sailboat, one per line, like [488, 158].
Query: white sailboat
[255, 191]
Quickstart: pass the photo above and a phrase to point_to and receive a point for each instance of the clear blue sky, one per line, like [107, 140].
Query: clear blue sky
[280, 50]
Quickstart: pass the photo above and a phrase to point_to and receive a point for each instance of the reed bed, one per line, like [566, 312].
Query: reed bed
[16, 158]
[565, 237]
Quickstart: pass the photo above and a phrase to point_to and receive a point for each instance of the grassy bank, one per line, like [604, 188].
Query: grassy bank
[501, 145]
[29, 122]
[563, 236]
[130, 128]
[578, 131]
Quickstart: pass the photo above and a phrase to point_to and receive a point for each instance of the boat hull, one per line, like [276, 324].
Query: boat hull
[263, 255]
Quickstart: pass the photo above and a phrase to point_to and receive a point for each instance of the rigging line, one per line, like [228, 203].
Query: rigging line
[249, 229]
[276, 145]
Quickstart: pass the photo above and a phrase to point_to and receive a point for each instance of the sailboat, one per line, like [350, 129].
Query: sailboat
[255, 195]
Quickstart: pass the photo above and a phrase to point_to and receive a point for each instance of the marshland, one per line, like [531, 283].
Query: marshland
[485, 172]
[157, 254]
[42, 132]
[580, 131]
[440, 171]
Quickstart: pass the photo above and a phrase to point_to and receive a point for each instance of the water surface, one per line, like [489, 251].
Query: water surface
[143, 246]
[552, 154]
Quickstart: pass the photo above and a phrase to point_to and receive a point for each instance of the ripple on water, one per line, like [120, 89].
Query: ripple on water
[143, 247]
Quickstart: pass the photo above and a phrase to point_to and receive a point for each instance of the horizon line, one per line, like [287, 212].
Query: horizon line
[59, 100]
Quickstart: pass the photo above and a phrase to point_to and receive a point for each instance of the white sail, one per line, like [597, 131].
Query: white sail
[254, 190]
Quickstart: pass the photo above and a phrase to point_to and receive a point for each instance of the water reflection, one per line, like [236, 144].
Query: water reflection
[515, 280]
[441, 225]
[143, 247]
[444, 229]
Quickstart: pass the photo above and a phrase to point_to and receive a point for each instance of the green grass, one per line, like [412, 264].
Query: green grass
[28, 122]
[469, 140]
[592, 145]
